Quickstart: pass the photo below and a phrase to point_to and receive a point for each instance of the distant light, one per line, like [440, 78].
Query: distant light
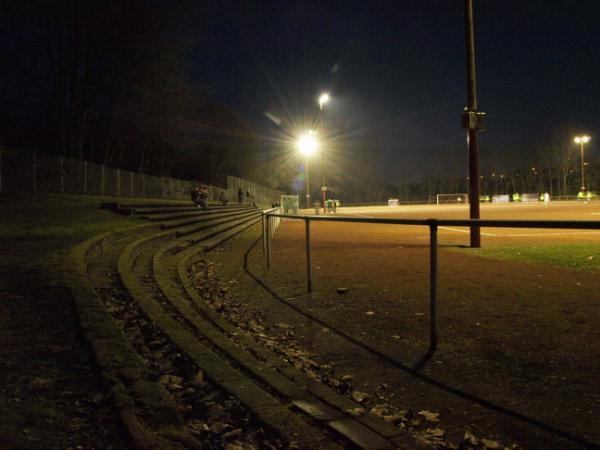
[323, 99]
[307, 143]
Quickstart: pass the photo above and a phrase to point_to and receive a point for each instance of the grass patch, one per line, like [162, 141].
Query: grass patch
[572, 256]
[37, 231]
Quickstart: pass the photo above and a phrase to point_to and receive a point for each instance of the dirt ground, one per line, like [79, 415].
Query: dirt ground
[49, 397]
[517, 358]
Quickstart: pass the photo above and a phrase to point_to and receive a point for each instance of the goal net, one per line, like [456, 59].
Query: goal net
[289, 204]
[444, 199]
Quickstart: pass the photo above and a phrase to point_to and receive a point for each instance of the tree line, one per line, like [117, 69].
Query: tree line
[552, 165]
[107, 81]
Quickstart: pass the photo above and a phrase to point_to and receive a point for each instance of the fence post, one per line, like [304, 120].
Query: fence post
[264, 233]
[308, 257]
[268, 241]
[433, 253]
[118, 182]
[62, 175]
[103, 180]
[85, 174]
[34, 173]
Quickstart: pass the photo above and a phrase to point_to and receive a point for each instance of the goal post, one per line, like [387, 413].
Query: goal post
[454, 199]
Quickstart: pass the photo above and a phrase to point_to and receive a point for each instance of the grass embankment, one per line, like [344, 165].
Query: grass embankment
[50, 397]
[37, 231]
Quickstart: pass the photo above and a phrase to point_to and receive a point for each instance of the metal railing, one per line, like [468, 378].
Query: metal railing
[433, 224]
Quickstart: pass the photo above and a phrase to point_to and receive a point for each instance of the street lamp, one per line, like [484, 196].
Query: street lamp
[323, 100]
[582, 140]
[307, 146]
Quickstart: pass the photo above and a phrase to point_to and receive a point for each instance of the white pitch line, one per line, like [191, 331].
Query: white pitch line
[465, 231]
[356, 214]
[595, 214]
[558, 233]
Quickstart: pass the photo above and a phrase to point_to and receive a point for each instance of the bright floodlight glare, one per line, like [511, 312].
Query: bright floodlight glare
[307, 143]
[323, 99]
[582, 139]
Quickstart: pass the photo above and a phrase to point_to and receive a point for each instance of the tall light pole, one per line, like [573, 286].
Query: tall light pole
[582, 140]
[472, 120]
[307, 146]
[323, 100]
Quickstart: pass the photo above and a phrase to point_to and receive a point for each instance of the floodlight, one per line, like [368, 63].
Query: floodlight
[307, 143]
[323, 99]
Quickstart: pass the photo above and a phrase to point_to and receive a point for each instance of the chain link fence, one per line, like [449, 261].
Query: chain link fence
[37, 172]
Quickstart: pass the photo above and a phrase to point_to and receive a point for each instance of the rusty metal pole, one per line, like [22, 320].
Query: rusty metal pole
[582, 169]
[264, 233]
[472, 124]
[433, 282]
[307, 184]
[323, 185]
[268, 241]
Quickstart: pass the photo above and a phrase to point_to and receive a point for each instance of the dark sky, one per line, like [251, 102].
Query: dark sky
[395, 69]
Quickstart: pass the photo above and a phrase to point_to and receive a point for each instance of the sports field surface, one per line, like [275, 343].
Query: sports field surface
[519, 328]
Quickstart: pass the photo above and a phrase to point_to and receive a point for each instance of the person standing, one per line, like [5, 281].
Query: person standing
[196, 196]
[240, 196]
[203, 198]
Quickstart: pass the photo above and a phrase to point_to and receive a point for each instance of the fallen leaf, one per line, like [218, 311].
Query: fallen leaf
[430, 416]
[378, 410]
[470, 438]
[490, 444]
[370, 313]
[356, 411]
[435, 432]
[359, 396]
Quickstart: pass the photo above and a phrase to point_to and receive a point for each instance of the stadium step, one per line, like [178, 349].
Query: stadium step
[152, 270]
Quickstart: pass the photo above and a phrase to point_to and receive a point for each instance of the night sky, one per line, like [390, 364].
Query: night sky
[395, 70]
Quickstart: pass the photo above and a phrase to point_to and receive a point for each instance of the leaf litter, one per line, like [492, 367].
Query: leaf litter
[280, 339]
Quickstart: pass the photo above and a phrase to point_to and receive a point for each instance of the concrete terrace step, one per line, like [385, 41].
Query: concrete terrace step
[182, 208]
[222, 223]
[261, 363]
[193, 212]
[204, 217]
[219, 239]
[263, 404]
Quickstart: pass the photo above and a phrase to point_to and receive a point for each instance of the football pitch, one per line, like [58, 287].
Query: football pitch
[519, 328]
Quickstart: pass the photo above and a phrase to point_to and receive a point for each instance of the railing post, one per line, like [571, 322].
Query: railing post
[103, 179]
[433, 253]
[85, 177]
[62, 175]
[308, 257]
[118, 182]
[34, 172]
[268, 233]
[264, 233]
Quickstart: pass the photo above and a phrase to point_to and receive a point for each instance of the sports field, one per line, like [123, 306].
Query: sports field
[519, 321]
